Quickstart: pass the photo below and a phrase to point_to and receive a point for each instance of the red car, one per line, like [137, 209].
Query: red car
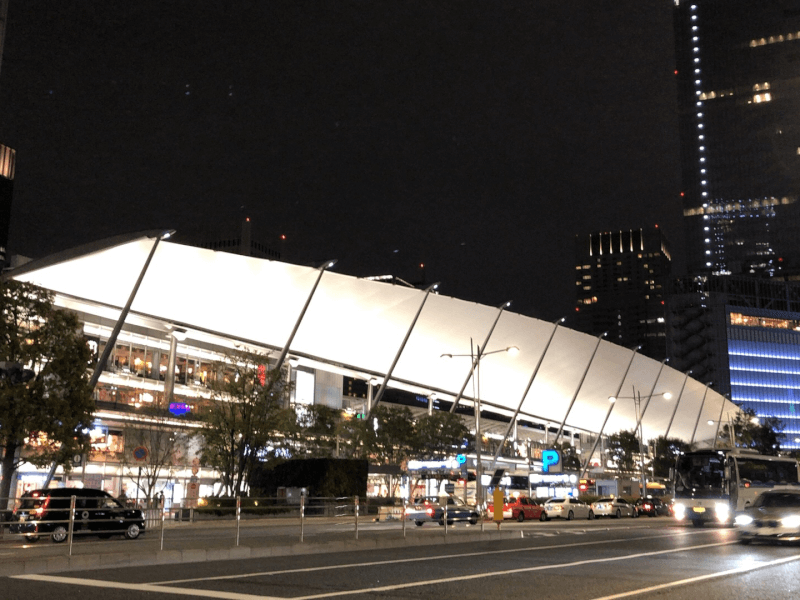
[520, 509]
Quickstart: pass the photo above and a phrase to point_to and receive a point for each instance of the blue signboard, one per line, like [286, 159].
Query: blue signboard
[179, 408]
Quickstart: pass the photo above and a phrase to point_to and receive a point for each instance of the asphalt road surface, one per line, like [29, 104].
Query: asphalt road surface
[578, 560]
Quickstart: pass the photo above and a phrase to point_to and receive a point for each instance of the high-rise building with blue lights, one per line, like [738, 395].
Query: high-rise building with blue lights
[738, 81]
[743, 335]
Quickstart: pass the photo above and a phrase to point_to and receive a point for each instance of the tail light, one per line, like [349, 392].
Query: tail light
[39, 511]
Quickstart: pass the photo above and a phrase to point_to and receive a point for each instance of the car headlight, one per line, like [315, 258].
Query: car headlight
[680, 511]
[723, 511]
[743, 519]
[791, 521]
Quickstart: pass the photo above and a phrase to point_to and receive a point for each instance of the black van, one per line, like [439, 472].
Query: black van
[96, 513]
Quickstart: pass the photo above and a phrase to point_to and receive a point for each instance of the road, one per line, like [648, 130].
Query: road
[578, 560]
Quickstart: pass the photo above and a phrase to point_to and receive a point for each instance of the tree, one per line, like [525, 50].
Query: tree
[50, 415]
[760, 434]
[667, 451]
[439, 435]
[245, 422]
[317, 431]
[160, 440]
[624, 446]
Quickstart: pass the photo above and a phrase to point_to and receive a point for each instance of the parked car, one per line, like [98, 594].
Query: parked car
[773, 517]
[520, 509]
[96, 513]
[420, 509]
[652, 507]
[614, 507]
[568, 508]
[457, 510]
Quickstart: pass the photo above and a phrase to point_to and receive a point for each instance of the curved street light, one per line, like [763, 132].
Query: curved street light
[475, 369]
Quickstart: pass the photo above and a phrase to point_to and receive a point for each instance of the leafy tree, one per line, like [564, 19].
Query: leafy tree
[246, 422]
[50, 414]
[439, 435]
[392, 434]
[623, 447]
[317, 431]
[667, 451]
[760, 434]
[164, 445]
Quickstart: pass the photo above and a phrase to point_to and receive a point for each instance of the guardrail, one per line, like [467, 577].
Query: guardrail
[66, 518]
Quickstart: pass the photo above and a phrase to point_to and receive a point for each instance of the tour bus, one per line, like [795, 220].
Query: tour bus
[711, 485]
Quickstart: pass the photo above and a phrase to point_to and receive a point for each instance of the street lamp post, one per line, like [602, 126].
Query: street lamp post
[476, 355]
[637, 401]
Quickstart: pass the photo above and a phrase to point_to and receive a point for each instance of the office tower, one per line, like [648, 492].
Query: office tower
[742, 334]
[619, 279]
[739, 101]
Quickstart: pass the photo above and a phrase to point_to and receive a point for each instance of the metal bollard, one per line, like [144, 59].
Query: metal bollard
[302, 515]
[162, 528]
[356, 515]
[238, 516]
[403, 516]
[71, 521]
[444, 516]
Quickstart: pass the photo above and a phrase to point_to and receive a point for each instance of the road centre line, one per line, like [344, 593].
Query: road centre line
[736, 571]
[378, 563]
[237, 596]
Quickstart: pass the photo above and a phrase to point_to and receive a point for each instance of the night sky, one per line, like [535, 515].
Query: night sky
[476, 138]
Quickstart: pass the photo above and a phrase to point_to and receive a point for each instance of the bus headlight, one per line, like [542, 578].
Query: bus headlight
[679, 510]
[791, 521]
[723, 512]
[743, 519]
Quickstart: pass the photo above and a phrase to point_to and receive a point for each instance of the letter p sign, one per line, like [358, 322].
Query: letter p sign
[551, 461]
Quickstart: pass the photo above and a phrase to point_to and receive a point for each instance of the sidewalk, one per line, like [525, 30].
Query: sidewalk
[105, 554]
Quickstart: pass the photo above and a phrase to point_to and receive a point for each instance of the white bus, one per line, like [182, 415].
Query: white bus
[711, 485]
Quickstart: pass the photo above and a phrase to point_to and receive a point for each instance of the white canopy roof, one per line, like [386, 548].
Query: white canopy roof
[357, 326]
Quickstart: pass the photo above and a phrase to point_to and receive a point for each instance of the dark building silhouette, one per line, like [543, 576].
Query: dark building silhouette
[739, 99]
[7, 165]
[619, 281]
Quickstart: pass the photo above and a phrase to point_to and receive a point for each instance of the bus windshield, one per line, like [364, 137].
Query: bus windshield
[700, 475]
[755, 472]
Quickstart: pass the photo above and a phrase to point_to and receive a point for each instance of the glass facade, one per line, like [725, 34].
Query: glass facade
[764, 362]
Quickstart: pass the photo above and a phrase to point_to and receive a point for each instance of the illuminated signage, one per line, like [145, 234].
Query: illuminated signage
[179, 408]
[414, 465]
[551, 461]
[553, 478]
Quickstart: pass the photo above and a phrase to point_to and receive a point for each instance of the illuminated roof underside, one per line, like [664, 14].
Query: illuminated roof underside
[356, 326]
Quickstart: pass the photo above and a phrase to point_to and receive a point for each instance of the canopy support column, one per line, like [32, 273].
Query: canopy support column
[677, 402]
[578, 390]
[388, 375]
[700, 413]
[477, 357]
[608, 414]
[524, 394]
[327, 265]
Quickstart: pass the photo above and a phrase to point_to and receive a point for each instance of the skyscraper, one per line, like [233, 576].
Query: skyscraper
[619, 281]
[738, 74]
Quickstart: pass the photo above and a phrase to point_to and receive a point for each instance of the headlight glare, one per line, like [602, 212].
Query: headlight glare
[743, 519]
[679, 510]
[791, 521]
[723, 511]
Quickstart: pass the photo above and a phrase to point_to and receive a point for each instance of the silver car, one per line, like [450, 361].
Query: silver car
[773, 517]
[614, 507]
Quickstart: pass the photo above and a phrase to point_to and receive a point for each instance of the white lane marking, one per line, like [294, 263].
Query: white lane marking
[736, 571]
[146, 587]
[401, 586]
[418, 559]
